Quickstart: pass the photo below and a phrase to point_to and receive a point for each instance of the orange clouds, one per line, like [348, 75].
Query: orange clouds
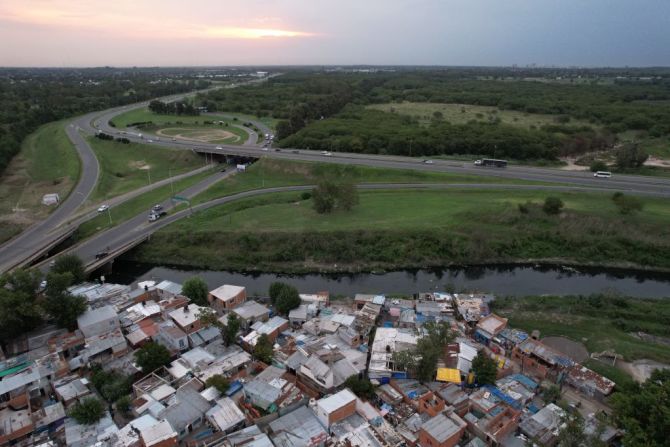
[136, 20]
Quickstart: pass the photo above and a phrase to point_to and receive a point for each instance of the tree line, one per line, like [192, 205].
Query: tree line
[173, 108]
[30, 98]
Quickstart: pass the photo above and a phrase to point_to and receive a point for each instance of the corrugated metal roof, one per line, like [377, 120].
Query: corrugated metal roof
[336, 401]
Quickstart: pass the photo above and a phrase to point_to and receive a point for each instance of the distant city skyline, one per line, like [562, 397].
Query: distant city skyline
[82, 33]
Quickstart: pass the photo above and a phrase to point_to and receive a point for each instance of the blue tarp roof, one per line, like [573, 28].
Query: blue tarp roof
[503, 396]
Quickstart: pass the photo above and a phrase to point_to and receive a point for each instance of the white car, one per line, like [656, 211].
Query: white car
[103, 208]
[428, 162]
[603, 174]
[326, 153]
[150, 141]
[478, 162]
[219, 147]
[265, 148]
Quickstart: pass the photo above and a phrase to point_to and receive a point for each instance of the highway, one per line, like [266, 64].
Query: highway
[114, 240]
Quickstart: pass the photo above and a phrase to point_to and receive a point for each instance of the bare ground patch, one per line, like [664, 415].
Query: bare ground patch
[201, 135]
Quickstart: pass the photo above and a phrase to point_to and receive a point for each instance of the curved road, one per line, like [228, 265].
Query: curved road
[139, 228]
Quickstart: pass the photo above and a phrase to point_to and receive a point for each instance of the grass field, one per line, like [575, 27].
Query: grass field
[125, 167]
[462, 113]
[268, 173]
[416, 229]
[600, 322]
[47, 163]
[133, 207]
[222, 135]
[144, 115]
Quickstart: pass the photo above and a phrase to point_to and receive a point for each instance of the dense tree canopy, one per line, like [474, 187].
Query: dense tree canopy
[485, 369]
[196, 290]
[264, 350]
[152, 356]
[88, 412]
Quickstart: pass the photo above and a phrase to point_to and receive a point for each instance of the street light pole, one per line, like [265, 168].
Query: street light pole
[109, 214]
[149, 175]
[171, 185]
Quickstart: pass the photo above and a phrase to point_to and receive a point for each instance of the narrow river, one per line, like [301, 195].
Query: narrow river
[499, 280]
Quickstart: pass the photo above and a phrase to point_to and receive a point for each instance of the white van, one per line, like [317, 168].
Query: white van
[603, 174]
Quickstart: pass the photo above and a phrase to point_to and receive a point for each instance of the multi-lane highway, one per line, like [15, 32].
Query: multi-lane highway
[43, 234]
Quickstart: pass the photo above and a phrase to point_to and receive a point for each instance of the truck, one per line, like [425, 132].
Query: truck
[491, 163]
[241, 168]
[155, 215]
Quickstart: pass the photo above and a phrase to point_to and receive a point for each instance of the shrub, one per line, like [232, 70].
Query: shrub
[598, 165]
[88, 412]
[552, 205]
[627, 204]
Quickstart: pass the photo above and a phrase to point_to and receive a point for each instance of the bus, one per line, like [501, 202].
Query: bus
[491, 162]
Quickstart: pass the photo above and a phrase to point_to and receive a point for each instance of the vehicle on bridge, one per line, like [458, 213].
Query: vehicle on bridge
[491, 163]
[101, 255]
[155, 215]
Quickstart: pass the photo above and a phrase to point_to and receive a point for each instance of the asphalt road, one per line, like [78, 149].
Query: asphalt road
[139, 227]
[632, 184]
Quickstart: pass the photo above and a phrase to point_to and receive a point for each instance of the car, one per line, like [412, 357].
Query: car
[326, 153]
[265, 149]
[219, 147]
[150, 141]
[602, 174]
[277, 149]
[154, 216]
[295, 152]
[174, 139]
[43, 285]
[428, 162]
[478, 162]
[103, 208]
[157, 208]
[101, 254]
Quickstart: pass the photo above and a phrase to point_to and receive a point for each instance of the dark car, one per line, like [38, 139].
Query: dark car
[101, 254]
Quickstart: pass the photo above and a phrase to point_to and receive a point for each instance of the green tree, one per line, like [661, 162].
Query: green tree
[111, 385]
[263, 350]
[64, 307]
[288, 299]
[643, 411]
[405, 361]
[23, 281]
[232, 327]
[88, 412]
[552, 205]
[630, 156]
[19, 313]
[152, 356]
[485, 369]
[430, 348]
[627, 204]
[219, 382]
[275, 289]
[598, 165]
[347, 196]
[551, 394]
[323, 197]
[73, 264]
[361, 387]
[196, 290]
[124, 404]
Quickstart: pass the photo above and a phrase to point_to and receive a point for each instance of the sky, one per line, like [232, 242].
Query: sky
[65, 33]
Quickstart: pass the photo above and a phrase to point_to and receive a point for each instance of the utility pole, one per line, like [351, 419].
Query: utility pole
[149, 175]
[171, 185]
[109, 214]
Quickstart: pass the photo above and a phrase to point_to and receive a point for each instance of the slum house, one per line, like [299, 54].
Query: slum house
[589, 382]
[226, 416]
[539, 360]
[186, 411]
[102, 432]
[98, 321]
[270, 390]
[22, 417]
[248, 437]
[204, 336]
[272, 328]
[101, 349]
[361, 299]
[187, 318]
[146, 431]
[71, 389]
[170, 336]
[544, 426]
[471, 308]
[442, 431]
[418, 396]
[336, 407]
[386, 342]
[519, 388]
[250, 312]
[299, 316]
[299, 428]
[489, 327]
[168, 289]
[320, 299]
[453, 396]
[227, 297]
[96, 295]
[326, 376]
[229, 362]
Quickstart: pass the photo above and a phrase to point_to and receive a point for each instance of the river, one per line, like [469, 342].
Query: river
[498, 280]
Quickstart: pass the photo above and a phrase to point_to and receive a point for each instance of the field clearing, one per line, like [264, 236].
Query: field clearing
[125, 167]
[269, 173]
[463, 113]
[229, 135]
[404, 209]
[47, 163]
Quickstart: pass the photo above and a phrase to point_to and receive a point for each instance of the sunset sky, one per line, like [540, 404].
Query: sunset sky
[258, 32]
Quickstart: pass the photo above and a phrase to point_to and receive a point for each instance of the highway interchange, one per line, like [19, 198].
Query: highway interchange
[42, 236]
